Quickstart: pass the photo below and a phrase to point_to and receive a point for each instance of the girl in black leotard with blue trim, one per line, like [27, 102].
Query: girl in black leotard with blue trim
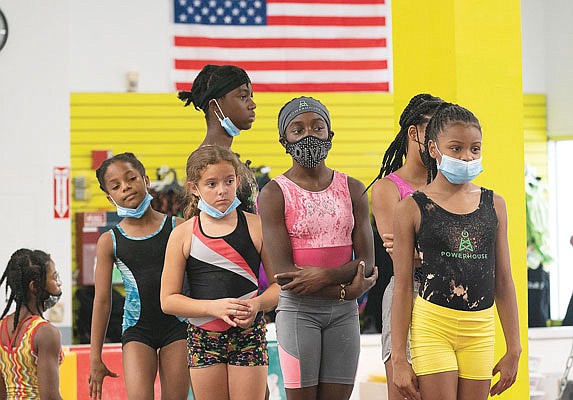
[152, 341]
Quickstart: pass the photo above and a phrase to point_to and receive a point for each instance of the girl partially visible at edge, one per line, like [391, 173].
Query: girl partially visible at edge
[30, 351]
[402, 171]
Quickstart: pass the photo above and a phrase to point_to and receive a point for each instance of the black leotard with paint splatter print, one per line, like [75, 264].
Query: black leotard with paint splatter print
[458, 254]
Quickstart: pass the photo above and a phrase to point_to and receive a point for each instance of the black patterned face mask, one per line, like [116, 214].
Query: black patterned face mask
[309, 151]
[51, 300]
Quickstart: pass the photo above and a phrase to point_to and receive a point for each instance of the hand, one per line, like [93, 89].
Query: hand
[405, 380]
[507, 369]
[98, 371]
[230, 309]
[360, 283]
[305, 280]
[246, 321]
[388, 239]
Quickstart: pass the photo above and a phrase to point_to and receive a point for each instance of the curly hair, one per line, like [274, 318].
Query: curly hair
[196, 163]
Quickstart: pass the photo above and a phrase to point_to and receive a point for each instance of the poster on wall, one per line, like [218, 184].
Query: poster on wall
[61, 192]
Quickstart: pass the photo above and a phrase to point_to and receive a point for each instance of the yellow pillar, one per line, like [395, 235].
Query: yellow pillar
[68, 375]
[469, 52]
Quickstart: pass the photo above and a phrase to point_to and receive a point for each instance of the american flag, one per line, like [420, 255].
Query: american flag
[286, 45]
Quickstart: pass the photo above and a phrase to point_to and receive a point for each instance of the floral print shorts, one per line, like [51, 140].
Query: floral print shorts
[235, 346]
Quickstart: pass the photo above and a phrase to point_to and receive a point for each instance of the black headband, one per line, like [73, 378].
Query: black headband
[221, 87]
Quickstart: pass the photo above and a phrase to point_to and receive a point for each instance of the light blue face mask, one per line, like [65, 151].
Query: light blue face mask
[215, 213]
[458, 171]
[138, 212]
[226, 123]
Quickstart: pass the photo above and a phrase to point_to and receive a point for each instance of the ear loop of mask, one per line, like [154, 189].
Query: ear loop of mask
[226, 122]
[421, 148]
[222, 117]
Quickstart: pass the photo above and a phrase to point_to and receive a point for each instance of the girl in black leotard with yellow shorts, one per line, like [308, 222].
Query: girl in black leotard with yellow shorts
[460, 232]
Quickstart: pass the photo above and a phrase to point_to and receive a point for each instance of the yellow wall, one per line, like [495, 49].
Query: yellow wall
[160, 131]
[68, 375]
[469, 52]
[535, 133]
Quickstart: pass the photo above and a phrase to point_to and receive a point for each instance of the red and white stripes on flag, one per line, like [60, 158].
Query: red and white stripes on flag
[304, 46]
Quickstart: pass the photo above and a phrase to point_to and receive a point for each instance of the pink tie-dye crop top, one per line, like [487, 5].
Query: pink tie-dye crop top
[319, 224]
[403, 187]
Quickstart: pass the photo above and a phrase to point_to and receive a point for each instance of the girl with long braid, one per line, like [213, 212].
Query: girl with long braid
[30, 350]
[401, 172]
[460, 232]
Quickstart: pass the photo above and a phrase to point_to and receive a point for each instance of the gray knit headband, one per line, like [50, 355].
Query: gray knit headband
[301, 105]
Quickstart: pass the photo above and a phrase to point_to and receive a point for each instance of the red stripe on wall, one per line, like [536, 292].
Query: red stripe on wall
[287, 65]
[289, 20]
[201, 41]
[308, 87]
[329, 1]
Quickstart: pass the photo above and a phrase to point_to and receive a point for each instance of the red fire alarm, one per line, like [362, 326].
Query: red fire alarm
[99, 156]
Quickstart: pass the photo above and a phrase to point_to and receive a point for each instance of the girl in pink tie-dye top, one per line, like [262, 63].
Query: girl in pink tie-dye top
[320, 223]
[319, 242]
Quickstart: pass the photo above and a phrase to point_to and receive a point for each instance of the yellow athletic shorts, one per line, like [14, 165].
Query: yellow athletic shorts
[444, 339]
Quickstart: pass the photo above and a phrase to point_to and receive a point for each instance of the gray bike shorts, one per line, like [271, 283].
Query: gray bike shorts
[318, 340]
[387, 315]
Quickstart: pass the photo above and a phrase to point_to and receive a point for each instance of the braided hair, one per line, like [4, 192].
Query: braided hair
[446, 114]
[213, 82]
[419, 110]
[25, 266]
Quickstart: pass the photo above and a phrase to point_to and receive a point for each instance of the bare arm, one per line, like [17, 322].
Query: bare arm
[362, 236]
[506, 302]
[48, 347]
[385, 197]
[406, 220]
[268, 300]
[305, 280]
[174, 302]
[271, 209]
[101, 313]
[361, 271]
